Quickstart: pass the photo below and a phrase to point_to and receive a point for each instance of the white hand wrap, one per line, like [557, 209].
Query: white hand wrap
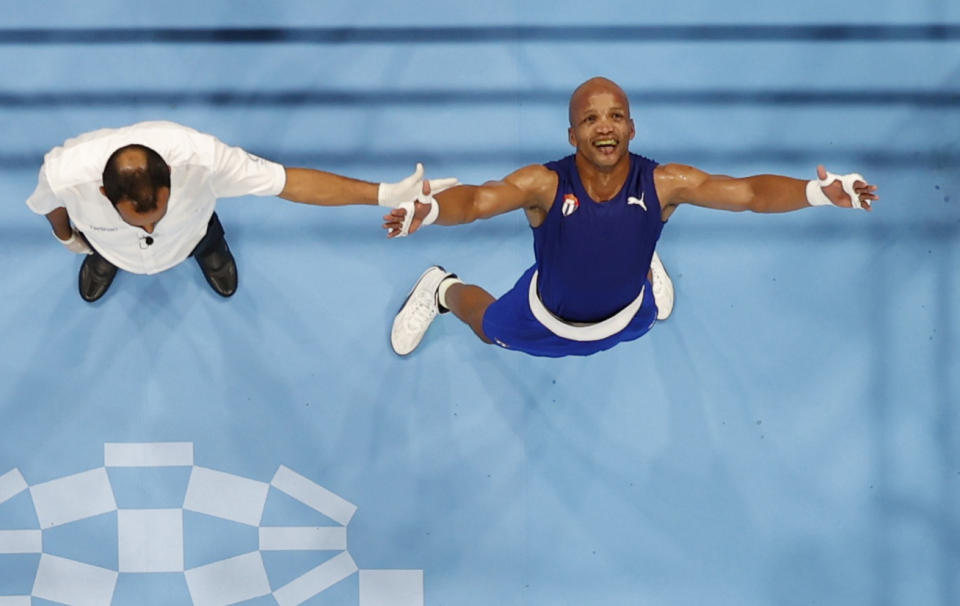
[75, 243]
[410, 208]
[405, 193]
[816, 197]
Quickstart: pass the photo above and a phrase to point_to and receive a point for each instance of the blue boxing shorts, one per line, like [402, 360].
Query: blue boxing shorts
[512, 323]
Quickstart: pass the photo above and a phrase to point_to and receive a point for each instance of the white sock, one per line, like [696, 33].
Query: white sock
[445, 284]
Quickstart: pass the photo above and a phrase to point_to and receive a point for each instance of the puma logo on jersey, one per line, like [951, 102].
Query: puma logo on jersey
[570, 205]
[633, 200]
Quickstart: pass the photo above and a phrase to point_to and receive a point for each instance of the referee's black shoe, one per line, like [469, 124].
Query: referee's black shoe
[96, 275]
[219, 268]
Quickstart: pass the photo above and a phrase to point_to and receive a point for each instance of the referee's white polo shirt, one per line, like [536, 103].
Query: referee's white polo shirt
[202, 169]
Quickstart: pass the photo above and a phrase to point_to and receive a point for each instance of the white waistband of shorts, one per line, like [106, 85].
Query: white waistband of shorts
[577, 331]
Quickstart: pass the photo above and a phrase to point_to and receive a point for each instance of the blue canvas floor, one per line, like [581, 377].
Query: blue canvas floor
[790, 436]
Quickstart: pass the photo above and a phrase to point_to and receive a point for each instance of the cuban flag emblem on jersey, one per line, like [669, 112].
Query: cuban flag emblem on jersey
[570, 205]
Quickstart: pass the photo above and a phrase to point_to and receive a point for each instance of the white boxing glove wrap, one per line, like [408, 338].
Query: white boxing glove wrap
[410, 208]
[816, 197]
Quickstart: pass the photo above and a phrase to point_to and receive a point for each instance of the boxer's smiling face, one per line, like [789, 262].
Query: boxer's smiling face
[600, 123]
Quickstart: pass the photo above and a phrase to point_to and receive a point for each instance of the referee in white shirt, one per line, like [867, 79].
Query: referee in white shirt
[141, 198]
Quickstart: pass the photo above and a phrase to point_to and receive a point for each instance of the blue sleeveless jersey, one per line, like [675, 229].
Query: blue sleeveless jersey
[592, 257]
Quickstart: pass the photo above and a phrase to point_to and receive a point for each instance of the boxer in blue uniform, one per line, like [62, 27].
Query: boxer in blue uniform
[596, 218]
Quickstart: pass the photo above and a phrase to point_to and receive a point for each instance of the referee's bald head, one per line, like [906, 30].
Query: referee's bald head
[135, 173]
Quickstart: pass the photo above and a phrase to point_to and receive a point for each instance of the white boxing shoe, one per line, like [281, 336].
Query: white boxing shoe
[662, 288]
[417, 312]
